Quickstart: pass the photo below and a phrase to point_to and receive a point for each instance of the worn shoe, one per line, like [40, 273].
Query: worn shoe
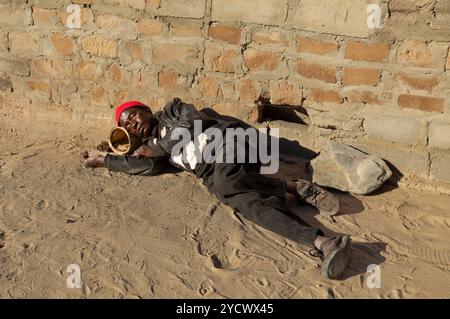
[316, 196]
[335, 254]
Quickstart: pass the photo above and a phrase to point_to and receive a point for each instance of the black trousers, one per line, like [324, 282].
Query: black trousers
[259, 198]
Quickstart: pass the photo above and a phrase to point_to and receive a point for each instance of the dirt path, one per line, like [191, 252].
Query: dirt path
[166, 236]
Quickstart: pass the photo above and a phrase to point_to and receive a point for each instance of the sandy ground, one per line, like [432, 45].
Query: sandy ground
[165, 236]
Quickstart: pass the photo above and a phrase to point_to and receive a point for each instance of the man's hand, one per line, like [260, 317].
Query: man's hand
[144, 151]
[92, 159]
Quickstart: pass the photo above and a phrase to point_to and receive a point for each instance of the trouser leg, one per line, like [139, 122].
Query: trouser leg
[260, 199]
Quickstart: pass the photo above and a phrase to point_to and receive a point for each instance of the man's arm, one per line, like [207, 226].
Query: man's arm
[178, 113]
[178, 117]
[134, 165]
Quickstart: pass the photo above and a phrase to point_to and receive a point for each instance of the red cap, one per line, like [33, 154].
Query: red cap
[122, 107]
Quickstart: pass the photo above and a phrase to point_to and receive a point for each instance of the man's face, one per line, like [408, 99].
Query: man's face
[138, 121]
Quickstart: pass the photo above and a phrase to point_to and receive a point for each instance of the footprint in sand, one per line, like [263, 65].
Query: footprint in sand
[226, 258]
[436, 221]
[206, 288]
[221, 252]
[41, 204]
[429, 254]
[220, 240]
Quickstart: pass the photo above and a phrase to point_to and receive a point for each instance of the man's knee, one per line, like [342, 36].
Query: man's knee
[228, 179]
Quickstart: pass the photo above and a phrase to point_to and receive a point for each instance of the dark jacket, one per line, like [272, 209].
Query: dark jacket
[175, 115]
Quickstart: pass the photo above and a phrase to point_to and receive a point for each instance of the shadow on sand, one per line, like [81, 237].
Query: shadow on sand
[363, 255]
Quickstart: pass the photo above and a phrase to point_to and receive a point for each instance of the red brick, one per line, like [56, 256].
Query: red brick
[116, 27]
[254, 115]
[182, 55]
[99, 46]
[114, 73]
[143, 80]
[317, 71]
[227, 108]
[44, 17]
[43, 67]
[135, 51]
[185, 29]
[403, 6]
[447, 66]
[283, 92]
[423, 103]
[50, 69]
[365, 97]
[210, 87]
[61, 43]
[156, 102]
[372, 52]
[415, 53]
[248, 90]
[150, 27]
[220, 60]
[419, 82]
[325, 96]
[99, 96]
[256, 60]
[167, 79]
[225, 33]
[361, 76]
[42, 88]
[119, 97]
[270, 38]
[88, 70]
[153, 4]
[308, 45]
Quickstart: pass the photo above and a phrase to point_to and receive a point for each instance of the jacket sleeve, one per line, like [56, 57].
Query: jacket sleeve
[178, 116]
[178, 113]
[135, 165]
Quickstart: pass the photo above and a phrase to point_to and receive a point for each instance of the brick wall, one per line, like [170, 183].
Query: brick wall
[385, 90]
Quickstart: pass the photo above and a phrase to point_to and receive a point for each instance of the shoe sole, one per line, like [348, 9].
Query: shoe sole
[337, 259]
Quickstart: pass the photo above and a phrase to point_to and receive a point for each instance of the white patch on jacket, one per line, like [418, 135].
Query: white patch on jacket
[191, 158]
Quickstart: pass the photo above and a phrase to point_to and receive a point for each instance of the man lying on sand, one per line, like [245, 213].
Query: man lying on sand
[258, 197]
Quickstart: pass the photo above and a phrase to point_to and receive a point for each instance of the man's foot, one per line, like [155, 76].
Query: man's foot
[335, 254]
[316, 196]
